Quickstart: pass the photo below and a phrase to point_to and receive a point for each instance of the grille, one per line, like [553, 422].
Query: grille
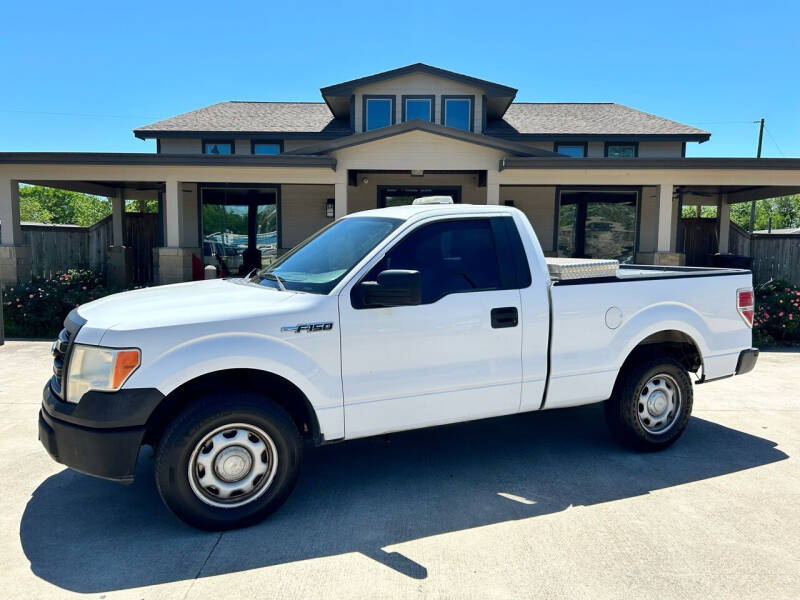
[61, 352]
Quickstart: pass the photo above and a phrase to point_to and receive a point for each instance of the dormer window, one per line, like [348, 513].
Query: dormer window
[218, 147]
[378, 112]
[418, 107]
[457, 112]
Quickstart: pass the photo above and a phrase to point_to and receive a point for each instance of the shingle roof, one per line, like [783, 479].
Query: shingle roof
[251, 117]
[520, 118]
[585, 119]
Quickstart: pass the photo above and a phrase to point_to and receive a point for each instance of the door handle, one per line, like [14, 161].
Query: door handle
[505, 317]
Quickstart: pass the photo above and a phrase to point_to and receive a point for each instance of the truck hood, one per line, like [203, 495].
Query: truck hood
[182, 303]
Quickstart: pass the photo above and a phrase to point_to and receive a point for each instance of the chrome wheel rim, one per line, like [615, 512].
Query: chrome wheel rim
[659, 404]
[232, 465]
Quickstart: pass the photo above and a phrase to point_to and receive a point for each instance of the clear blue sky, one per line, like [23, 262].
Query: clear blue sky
[79, 76]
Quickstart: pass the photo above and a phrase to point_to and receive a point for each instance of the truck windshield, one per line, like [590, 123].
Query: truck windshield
[320, 262]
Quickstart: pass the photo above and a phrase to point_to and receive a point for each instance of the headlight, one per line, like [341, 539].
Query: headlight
[101, 369]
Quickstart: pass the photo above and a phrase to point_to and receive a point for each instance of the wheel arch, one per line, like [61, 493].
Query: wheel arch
[280, 390]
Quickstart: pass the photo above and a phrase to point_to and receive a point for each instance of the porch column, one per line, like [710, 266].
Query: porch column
[724, 224]
[664, 217]
[665, 254]
[173, 262]
[15, 257]
[340, 200]
[492, 188]
[118, 254]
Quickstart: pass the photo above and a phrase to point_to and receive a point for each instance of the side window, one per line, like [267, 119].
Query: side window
[451, 257]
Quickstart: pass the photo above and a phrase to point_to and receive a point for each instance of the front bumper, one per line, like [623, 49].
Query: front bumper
[100, 435]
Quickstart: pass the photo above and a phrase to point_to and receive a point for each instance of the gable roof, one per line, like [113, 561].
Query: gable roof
[490, 88]
[587, 119]
[257, 118]
[417, 125]
[522, 120]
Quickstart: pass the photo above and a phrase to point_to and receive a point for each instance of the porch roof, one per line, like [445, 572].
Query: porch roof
[355, 139]
[535, 162]
[139, 159]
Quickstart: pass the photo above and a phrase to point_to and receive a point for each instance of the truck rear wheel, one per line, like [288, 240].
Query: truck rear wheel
[228, 461]
[651, 404]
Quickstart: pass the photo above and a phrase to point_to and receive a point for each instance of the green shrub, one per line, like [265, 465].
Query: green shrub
[37, 308]
[777, 314]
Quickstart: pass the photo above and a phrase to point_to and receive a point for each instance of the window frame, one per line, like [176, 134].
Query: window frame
[510, 276]
[443, 110]
[365, 98]
[635, 146]
[231, 143]
[584, 145]
[431, 99]
[255, 142]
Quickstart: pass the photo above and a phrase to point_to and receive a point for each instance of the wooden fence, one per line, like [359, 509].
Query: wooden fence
[775, 256]
[60, 247]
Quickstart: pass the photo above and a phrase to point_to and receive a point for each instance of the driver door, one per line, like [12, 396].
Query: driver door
[457, 355]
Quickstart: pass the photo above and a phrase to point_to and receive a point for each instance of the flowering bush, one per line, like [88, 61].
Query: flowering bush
[37, 308]
[777, 313]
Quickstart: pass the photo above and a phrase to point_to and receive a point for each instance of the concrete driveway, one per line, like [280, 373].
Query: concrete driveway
[542, 505]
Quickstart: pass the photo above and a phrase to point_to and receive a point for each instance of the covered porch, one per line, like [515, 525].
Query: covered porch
[239, 214]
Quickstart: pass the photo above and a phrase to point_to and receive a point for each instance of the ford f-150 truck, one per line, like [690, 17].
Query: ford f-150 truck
[386, 320]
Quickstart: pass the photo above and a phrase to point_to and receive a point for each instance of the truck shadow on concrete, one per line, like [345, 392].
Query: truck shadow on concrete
[90, 536]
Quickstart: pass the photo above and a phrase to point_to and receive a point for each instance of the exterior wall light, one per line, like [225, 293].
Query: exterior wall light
[365, 181]
[417, 172]
[330, 205]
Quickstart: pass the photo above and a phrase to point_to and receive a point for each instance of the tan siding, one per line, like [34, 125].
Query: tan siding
[242, 146]
[302, 211]
[418, 150]
[365, 196]
[648, 220]
[419, 83]
[538, 204]
[660, 149]
[181, 146]
[596, 149]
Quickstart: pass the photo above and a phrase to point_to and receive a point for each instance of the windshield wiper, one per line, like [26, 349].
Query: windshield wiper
[277, 279]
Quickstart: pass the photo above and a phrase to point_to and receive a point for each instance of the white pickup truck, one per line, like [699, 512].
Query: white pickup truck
[385, 320]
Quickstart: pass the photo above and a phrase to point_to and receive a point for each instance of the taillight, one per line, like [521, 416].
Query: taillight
[745, 304]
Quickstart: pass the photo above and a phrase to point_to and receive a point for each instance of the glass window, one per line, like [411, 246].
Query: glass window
[457, 113]
[621, 150]
[240, 228]
[451, 257]
[379, 113]
[217, 147]
[419, 108]
[266, 148]
[597, 225]
[320, 262]
[574, 150]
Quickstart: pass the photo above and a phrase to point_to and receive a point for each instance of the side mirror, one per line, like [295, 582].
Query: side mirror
[394, 287]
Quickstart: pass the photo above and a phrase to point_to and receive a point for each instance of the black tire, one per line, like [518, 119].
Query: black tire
[623, 408]
[211, 413]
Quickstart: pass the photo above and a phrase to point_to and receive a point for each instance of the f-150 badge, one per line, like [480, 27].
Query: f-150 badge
[308, 327]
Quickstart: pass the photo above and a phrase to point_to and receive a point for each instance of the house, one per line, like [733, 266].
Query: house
[238, 183]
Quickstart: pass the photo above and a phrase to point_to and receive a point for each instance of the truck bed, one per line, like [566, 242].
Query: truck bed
[578, 271]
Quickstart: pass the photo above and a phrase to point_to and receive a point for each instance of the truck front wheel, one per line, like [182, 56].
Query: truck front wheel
[651, 404]
[228, 461]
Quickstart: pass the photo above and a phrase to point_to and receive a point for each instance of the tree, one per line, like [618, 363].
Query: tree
[783, 212]
[49, 205]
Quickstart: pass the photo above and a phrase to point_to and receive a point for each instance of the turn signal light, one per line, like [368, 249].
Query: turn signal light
[125, 364]
[745, 304]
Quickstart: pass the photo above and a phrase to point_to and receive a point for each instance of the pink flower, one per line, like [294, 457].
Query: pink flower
[780, 314]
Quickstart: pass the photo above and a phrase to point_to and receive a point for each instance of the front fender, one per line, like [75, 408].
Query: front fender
[310, 362]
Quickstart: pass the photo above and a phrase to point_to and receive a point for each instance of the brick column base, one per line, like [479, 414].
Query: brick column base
[173, 265]
[665, 259]
[15, 264]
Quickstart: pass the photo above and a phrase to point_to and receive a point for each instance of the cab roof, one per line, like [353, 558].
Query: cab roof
[414, 211]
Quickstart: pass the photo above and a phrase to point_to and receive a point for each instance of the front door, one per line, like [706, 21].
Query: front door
[396, 195]
[454, 357]
[240, 227]
[598, 224]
